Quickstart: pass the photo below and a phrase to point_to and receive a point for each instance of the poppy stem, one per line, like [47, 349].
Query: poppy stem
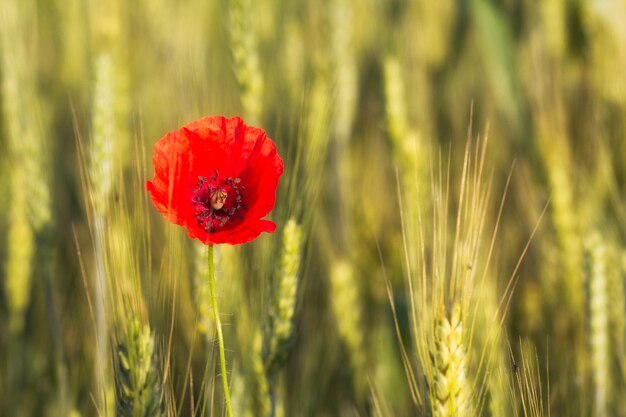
[220, 336]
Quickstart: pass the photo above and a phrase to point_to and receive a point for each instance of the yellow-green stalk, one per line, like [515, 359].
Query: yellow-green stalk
[497, 363]
[138, 378]
[621, 326]
[317, 136]
[396, 111]
[251, 393]
[553, 17]
[102, 147]
[294, 52]
[432, 23]
[220, 336]
[313, 142]
[345, 73]
[564, 216]
[608, 52]
[284, 298]
[599, 324]
[489, 345]
[445, 292]
[547, 82]
[74, 54]
[449, 387]
[617, 307]
[246, 58]
[500, 380]
[239, 395]
[410, 154]
[100, 176]
[229, 263]
[549, 112]
[21, 248]
[344, 78]
[29, 195]
[261, 399]
[346, 304]
[117, 288]
[523, 379]
[202, 293]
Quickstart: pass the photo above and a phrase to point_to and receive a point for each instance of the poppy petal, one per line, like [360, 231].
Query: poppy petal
[217, 156]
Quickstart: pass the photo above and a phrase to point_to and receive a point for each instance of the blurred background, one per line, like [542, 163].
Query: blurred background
[450, 225]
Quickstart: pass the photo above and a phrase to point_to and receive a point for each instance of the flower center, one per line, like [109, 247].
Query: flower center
[217, 201]
[218, 198]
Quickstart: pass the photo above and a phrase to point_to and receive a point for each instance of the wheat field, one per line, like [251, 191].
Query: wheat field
[451, 221]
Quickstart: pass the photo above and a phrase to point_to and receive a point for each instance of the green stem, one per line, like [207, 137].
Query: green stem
[220, 336]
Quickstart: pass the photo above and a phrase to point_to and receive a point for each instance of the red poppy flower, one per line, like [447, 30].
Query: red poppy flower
[217, 177]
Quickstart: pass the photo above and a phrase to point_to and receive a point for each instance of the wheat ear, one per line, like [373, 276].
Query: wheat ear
[599, 320]
[346, 305]
[138, 381]
[246, 59]
[448, 382]
[284, 302]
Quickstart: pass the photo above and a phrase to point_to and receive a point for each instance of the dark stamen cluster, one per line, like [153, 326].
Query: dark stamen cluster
[210, 218]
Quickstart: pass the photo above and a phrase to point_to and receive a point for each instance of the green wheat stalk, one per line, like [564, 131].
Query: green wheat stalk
[138, 381]
[100, 176]
[251, 393]
[448, 381]
[29, 204]
[19, 257]
[284, 299]
[565, 295]
[599, 323]
[617, 306]
[396, 111]
[246, 58]
[445, 293]
[346, 82]
[525, 383]
[553, 17]
[432, 21]
[202, 292]
[261, 398]
[410, 153]
[347, 311]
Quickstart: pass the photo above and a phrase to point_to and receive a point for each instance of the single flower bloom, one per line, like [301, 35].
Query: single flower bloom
[217, 177]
